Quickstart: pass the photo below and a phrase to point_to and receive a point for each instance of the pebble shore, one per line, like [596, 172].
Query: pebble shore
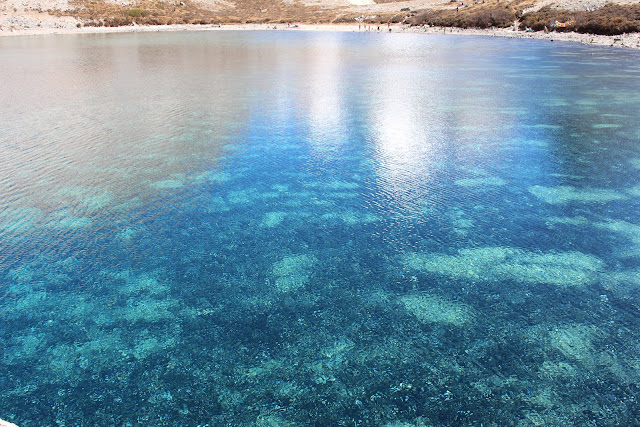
[51, 25]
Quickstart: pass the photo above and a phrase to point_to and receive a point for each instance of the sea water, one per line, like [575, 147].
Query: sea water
[287, 228]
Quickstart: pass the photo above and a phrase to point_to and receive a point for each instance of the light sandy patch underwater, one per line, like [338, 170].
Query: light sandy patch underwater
[565, 194]
[273, 219]
[504, 263]
[434, 309]
[293, 271]
[491, 181]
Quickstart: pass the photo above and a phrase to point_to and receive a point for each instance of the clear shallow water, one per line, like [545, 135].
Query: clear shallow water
[318, 229]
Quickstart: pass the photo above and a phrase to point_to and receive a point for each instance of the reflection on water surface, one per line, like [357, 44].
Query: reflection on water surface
[318, 229]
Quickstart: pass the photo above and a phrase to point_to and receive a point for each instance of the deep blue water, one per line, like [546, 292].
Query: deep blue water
[280, 228]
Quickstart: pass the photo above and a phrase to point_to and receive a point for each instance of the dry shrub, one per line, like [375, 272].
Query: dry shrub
[608, 20]
[487, 18]
[257, 20]
[344, 20]
[118, 21]
[428, 17]
[153, 21]
[545, 19]
[101, 12]
[475, 17]
[134, 13]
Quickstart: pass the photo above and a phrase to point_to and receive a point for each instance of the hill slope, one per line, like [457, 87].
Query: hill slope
[598, 16]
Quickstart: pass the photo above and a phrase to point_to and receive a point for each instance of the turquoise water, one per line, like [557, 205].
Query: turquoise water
[273, 229]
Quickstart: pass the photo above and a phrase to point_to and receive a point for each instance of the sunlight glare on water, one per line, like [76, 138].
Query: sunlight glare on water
[282, 228]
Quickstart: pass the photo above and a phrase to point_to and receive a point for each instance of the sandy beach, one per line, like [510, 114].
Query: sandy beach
[631, 41]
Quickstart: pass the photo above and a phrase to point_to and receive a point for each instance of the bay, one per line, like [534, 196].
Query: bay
[281, 228]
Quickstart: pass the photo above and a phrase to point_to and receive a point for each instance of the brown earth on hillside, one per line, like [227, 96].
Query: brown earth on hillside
[586, 16]
[610, 19]
[151, 12]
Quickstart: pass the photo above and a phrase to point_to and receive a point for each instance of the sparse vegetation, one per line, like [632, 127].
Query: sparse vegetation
[134, 13]
[101, 13]
[609, 20]
[475, 17]
[159, 12]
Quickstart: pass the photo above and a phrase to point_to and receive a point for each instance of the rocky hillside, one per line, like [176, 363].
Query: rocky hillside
[595, 16]
[588, 17]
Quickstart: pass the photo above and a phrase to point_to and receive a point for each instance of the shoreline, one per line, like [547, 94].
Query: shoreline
[628, 41]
